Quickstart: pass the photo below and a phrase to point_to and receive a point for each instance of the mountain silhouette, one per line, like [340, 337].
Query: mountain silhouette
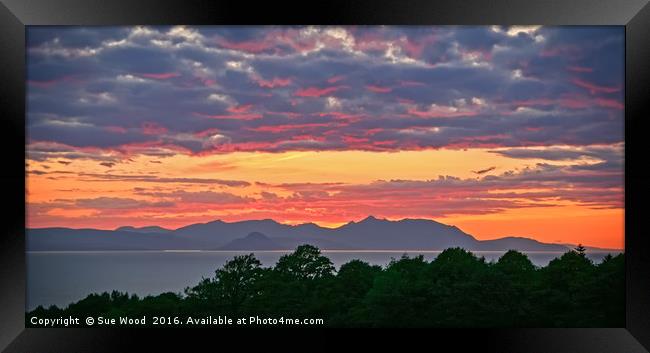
[369, 234]
[521, 244]
[254, 241]
[377, 234]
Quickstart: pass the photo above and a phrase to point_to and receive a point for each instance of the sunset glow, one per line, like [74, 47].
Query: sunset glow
[500, 131]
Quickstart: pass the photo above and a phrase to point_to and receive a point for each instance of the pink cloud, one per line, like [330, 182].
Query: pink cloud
[441, 112]
[245, 46]
[354, 140]
[593, 88]
[574, 103]
[151, 128]
[208, 82]
[569, 101]
[335, 79]
[371, 42]
[414, 48]
[289, 127]
[275, 82]
[343, 116]
[308, 137]
[208, 132]
[230, 116]
[609, 103]
[317, 92]
[579, 69]
[240, 108]
[378, 89]
[52, 82]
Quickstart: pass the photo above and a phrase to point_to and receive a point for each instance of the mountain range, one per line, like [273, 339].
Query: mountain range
[369, 234]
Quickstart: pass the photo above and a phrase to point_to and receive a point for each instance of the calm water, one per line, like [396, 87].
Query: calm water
[59, 278]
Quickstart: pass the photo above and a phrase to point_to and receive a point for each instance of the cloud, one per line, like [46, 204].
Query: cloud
[207, 197]
[273, 83]
[483, 171]
[434, 198]
[317, 92]
[161, 76]
[378, 89]
[593, 88]
[113, 88]
[156, 179]
[604, 153]
[113, 203]
[590, 177]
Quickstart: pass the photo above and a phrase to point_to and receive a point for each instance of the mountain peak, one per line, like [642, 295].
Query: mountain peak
[370, 218]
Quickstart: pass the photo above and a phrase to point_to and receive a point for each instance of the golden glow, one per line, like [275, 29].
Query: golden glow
[559, 221]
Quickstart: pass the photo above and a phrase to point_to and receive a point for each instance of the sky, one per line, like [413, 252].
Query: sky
[501, 131]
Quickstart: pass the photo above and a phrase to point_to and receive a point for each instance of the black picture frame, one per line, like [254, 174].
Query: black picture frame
[16, 14]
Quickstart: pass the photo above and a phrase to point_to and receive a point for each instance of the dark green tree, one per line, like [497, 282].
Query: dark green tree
[511, 280]
[348, 290]
[295, 285]
[232, 285]
[459, 289]
[306, 262]
[608, 288]
[399, 296]
[564, 292]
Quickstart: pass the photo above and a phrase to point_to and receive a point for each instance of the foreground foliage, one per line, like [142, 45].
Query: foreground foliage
[456, 289]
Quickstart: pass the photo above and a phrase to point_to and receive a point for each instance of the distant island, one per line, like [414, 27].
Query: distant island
[265, 235]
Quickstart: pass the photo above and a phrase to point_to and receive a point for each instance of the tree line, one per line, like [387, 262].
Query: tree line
[456, 289]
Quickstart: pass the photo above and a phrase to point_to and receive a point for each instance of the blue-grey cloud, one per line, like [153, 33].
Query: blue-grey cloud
[221, 89]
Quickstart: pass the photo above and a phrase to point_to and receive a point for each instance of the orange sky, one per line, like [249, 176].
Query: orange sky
[327, 188]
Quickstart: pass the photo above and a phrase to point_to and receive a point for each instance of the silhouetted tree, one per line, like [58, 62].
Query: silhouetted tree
[294, 285]
[399, 294]
[305, 262]
[564, 292]
[608, 288]
[345, 294]
[511, 280]
[231, 286]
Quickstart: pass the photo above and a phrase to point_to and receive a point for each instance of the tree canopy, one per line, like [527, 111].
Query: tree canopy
[456, 289]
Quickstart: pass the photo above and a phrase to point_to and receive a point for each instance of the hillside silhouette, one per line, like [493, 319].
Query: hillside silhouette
[456, 289]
